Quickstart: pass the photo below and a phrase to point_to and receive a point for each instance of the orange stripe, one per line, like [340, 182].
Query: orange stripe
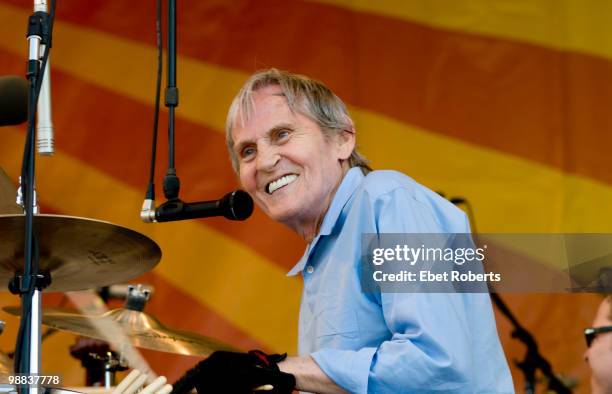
[96, 133]
[537, 103]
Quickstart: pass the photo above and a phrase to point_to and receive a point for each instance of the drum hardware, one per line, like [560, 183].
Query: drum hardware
[137, 297]
[119, 291]
[112, 363]
[21, 202]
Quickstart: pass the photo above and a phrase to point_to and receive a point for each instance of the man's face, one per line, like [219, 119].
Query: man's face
[286, 164]
[599, 354]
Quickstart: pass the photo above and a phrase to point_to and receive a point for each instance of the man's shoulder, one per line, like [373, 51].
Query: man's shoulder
[384, 186]
[381, 182]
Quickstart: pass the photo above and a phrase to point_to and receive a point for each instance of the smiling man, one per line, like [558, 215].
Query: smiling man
[286, 163]
[292, 144]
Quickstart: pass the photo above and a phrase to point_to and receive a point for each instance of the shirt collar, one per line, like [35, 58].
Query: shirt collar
[347, 187]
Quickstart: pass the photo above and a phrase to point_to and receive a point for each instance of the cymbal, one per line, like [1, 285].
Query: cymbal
[8, 194]
[141, 329]
[79, 253]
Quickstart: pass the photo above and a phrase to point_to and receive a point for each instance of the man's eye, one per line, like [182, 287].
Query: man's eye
[247, 152]
[282, 134]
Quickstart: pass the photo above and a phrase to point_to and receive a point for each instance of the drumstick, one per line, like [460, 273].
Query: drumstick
[154, 385]
[167, 389]
[265, 387]
[138, 383]
[126, 381]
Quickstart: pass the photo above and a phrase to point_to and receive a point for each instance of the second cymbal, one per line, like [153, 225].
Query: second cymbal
[140, 329]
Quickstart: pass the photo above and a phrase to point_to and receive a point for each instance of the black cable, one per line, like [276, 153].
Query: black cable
[150, 195]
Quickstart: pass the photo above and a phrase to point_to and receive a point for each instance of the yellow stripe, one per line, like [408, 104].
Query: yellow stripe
[218, 271]
[509, 193]
[576, 25]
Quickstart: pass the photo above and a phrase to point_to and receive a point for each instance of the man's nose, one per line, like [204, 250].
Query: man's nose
[585, 355]
[267, 158]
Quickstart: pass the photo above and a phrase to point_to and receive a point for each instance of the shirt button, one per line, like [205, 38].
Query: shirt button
[310, 269]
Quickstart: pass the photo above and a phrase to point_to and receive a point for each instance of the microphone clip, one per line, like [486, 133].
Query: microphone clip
[170, 210]
[147, 212]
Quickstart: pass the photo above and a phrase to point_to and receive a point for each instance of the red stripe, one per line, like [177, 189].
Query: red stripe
[537, 103]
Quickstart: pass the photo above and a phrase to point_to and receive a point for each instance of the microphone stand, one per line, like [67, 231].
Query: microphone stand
[533, 359]
[171, 183]
[31, 282]
[236, 205]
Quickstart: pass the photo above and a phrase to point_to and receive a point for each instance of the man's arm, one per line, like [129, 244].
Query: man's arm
[308, 376]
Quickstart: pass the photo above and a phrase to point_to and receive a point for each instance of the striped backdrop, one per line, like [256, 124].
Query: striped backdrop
[504, 102]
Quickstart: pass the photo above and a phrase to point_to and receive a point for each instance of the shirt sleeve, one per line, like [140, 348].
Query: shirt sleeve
[429, 347]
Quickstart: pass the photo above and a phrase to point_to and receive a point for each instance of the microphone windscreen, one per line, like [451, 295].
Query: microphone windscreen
[239, 205]
[13, 100]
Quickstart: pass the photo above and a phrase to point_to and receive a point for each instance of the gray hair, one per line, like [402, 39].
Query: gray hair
[304, 95]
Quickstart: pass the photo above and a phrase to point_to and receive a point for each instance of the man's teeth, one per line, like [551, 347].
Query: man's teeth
[277, 184]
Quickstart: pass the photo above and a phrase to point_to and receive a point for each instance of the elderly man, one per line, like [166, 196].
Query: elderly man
[292, 144]
[599, 351]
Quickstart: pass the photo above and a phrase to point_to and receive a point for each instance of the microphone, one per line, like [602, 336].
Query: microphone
[13, 100]
[236, 205]
[44, 127]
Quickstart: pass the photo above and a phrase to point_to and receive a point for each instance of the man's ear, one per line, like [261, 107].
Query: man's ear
[346, 143]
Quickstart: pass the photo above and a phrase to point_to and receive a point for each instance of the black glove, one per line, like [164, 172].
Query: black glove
[237, 373]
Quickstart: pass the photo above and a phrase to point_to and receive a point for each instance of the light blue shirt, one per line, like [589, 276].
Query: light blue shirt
[392, 342]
